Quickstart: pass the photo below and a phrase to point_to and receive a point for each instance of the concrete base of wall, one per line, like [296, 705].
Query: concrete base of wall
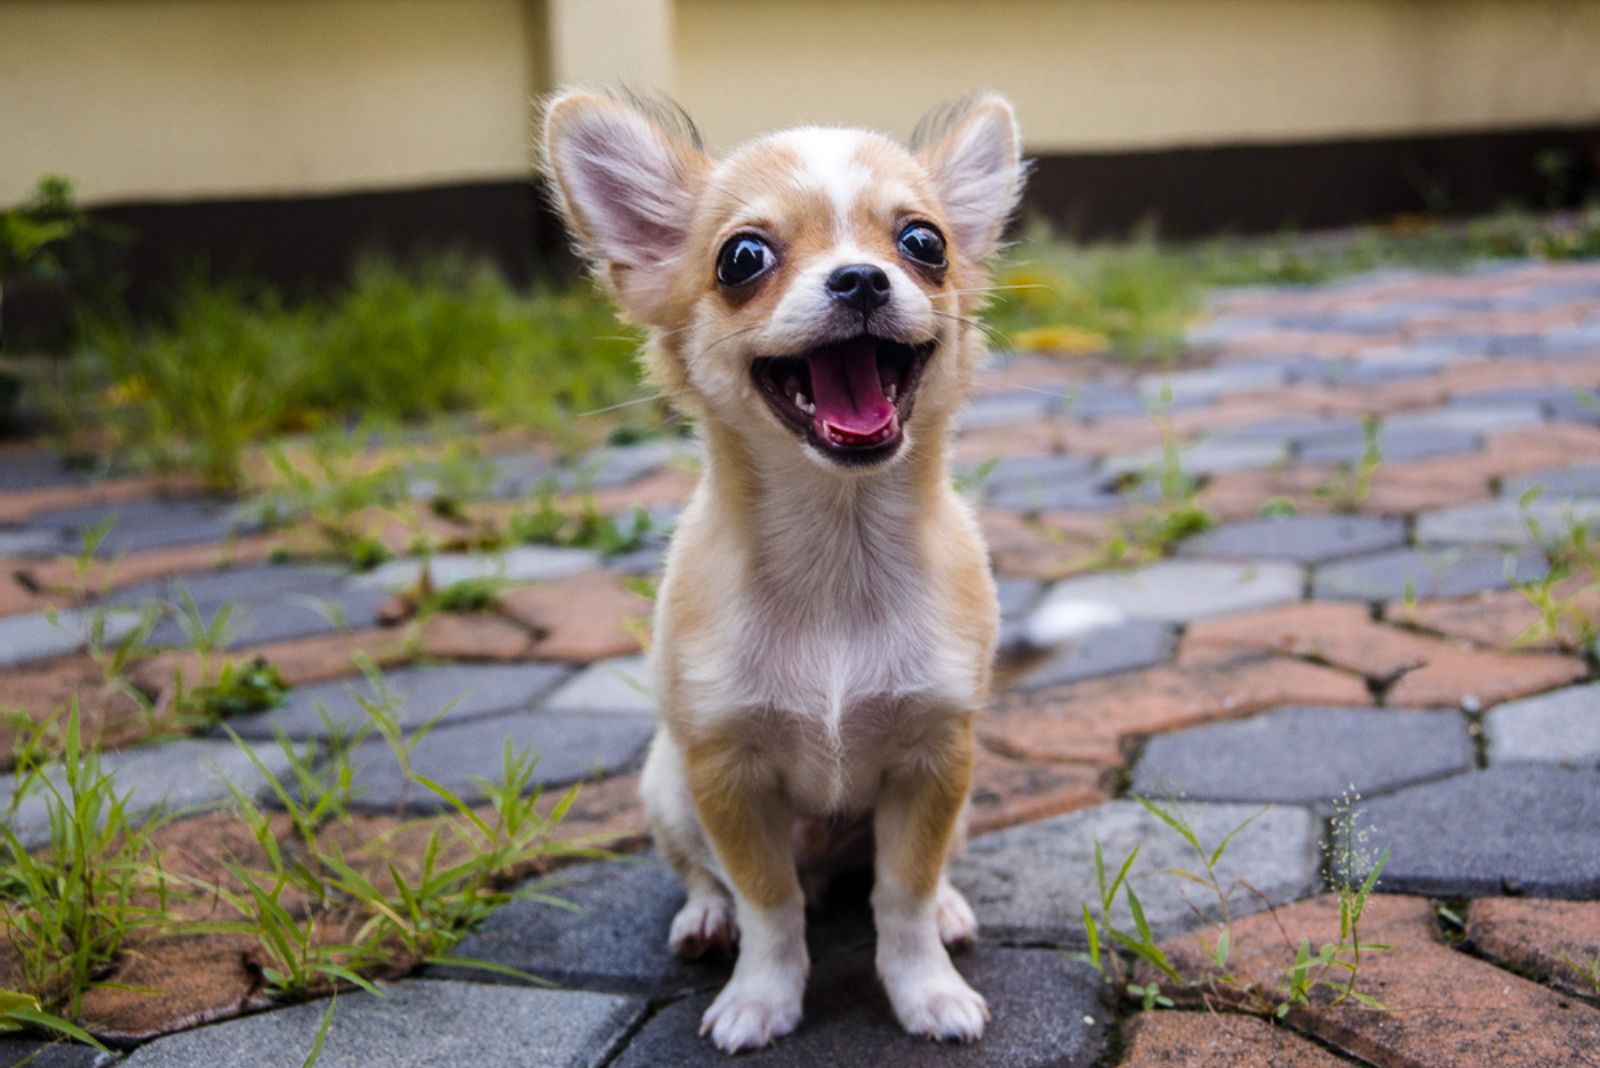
[306, 245]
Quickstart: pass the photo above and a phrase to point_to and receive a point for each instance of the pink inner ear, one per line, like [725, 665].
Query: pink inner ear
[627, 188]
[979, 182]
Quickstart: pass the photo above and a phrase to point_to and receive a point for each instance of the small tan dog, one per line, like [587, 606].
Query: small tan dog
[824, 631]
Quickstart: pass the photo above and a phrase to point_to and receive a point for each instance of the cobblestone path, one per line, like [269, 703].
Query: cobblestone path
[1349, 627]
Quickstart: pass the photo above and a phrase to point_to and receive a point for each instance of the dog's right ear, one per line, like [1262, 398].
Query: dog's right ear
[625, 174]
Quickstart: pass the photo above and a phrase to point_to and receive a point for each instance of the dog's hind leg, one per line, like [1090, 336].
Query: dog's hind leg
[705, 923]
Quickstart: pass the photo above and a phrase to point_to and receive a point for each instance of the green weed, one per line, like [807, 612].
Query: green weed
[1333, 968]
[236, 365]
[544, 522]
[68, 909]
[1351, 487]
[1565, 594]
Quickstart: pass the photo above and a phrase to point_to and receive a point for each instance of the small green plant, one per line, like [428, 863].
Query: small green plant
[377, 910]
[1177, 513]
[21, 1012]
[479, 594]
[1351, 487]
[68, 909]
[1334, 968]
[1586, 971]
[1569, 584]
[237, 689]
[586, 527]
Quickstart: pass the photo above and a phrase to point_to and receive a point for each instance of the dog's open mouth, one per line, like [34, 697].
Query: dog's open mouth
[850, 399]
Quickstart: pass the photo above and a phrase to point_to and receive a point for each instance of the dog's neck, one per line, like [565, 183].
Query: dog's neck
[826, 540]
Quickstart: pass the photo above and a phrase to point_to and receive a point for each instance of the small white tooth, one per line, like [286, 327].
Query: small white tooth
[809, 408]
[892, 392]
[801, 401]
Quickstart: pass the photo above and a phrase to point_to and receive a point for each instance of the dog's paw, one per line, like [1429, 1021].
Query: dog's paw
[751, 1014]
[958, 927]
[937, 1003]
[704, 925]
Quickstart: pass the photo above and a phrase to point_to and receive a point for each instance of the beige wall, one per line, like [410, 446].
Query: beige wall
[1121, 74]
[173, 98]
[141, 99]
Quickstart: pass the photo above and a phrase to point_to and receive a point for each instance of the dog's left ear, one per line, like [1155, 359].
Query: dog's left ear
[974, 153]
[626, 172]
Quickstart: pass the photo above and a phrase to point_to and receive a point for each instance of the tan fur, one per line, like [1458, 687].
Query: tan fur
[822, 634]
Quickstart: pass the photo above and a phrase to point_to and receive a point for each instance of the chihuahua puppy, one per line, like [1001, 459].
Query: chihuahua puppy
[825, 626]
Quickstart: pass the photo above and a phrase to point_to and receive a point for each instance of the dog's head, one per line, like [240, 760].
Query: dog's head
[813, 288]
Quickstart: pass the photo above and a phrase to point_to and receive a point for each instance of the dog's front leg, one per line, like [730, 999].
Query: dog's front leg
[914, 824]
[749, 823]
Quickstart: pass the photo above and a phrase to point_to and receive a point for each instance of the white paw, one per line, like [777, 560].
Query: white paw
[705, 924]
[957, 925]
[937, 1003]
[749, 1014]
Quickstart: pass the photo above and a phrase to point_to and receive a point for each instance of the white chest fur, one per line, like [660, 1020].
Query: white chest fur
[831, 635]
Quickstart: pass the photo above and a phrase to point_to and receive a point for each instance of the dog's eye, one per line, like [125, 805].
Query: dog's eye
[744, 258]
[923, 243]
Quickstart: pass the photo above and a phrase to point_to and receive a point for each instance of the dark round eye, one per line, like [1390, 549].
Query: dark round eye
[744, 258]
[923, 243]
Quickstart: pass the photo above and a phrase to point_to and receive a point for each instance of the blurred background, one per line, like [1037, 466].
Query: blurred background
[294, 143]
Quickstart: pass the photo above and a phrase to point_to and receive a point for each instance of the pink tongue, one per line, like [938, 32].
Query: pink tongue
[847, 390]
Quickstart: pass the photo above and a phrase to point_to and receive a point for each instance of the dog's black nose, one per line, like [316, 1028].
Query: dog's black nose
[860, 286]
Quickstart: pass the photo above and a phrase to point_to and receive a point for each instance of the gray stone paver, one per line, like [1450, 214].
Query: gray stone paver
[1298, 539]
[567, 747]
[1305, 755]
[526, 563]
[16, 1052]
[279, 617]
[1027, 883]
[1579, 481]
[26, 542]
[413, 696]
[1524, 828]
[621, 686]
[1394, 445]
[1445, 572]
[37, 635]
[1545, 521]
[152, 524]
[1173, 591]
[1208, 457]
[614, 938]
[1104, 651]
[1562, 727]
[416, 1024]
[1045, 1010]
[185, 774]
[1482, 418]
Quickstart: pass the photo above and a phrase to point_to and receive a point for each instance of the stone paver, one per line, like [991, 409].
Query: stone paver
[1581, 481]
[621, 686]
[1045, 1010]
[589, 616]
[1216, 1040]
[1445, 1009]
[1547, 521]
[414, 1025]
[568, 747]
[23, 542]
[1173, 591]
[527, 563]
[36, 635]
[1446, 572]
[1126, 646]
[1394, 446]
[15, 1052]
[1028, 883]
[187, 774]
[1305, 755]
[1562, 727]
[151, 524]
[1558, 941]
[1523, 828]
[1308, 539]
[615, 936]
[412, 695]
